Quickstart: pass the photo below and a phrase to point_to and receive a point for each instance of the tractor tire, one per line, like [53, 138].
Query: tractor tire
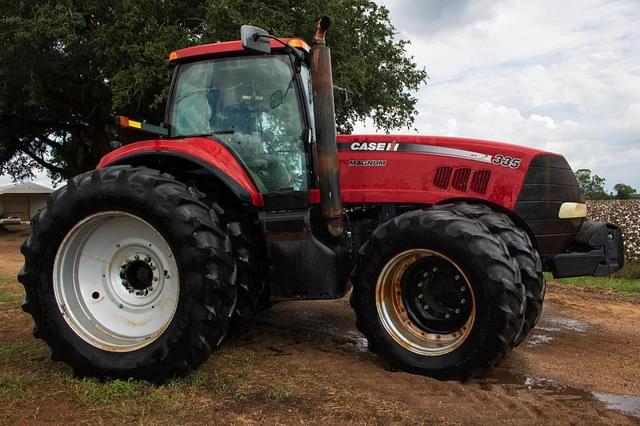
[248, 249]
[410, 313]
[127, 275]
[521, 249]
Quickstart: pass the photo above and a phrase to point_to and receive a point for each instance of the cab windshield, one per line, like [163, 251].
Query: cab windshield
[250, 104]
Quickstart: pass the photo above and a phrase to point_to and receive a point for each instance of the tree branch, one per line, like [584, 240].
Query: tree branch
[44, 164]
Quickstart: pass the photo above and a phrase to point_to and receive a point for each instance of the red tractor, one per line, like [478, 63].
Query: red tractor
[247, 196]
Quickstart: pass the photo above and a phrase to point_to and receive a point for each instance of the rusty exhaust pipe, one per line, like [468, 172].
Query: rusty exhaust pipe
[325, 120]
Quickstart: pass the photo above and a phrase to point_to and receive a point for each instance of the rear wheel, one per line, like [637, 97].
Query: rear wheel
[436, 294]
[127, 275]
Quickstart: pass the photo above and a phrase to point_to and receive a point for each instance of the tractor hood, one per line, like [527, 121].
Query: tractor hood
[431, 169]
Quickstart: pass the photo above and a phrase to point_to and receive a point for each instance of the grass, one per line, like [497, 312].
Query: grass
[277, 395]
[626, 281]
[19, 350]
[13, 387]
[10, 296]
[6, 279]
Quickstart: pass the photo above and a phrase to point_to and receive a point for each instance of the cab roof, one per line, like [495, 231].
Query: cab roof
[227, 47]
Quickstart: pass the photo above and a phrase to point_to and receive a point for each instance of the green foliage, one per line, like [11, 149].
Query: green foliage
[67, 67]
[592, 186]
[626, 280]
[624, 191]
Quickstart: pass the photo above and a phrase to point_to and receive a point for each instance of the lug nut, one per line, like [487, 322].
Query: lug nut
[447, 316]
[426, 274]
[435, 269]
[420, 296]
[457, 311]
[457, 278]
[463, 301]
[420, 284]
[147, 259]
[463, 289]
[426, 307]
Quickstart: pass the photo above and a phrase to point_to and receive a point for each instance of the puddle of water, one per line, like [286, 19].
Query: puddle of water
[626, 404]
[554, 324]
[567, 324]
[536, 340]
[360, 342]
[629, 405]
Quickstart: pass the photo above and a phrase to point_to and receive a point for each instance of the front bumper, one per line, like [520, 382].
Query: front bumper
[597, 250]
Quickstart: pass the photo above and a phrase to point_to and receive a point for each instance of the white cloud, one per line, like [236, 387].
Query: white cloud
[562, 76]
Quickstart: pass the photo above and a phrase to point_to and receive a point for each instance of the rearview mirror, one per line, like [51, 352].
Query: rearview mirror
[276, 99]
[255, 39]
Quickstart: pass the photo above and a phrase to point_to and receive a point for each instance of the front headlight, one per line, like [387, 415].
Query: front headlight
[572, 210]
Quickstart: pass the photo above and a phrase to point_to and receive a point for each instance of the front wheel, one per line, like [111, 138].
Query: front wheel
[437, 294]
[127, 275]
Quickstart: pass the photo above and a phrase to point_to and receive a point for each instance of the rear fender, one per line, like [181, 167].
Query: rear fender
[207, 153]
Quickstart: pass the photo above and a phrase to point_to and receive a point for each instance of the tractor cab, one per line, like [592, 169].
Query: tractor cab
[258, 104]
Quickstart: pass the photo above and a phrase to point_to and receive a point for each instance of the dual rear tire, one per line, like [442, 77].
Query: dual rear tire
[445, 292]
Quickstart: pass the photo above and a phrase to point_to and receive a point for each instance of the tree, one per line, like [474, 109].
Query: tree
[624, 191]
[592, 186]
[67, 67]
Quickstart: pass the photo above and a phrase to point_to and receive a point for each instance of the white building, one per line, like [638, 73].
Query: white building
[22, 200]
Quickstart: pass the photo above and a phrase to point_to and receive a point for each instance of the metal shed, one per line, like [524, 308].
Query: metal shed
[22, 200]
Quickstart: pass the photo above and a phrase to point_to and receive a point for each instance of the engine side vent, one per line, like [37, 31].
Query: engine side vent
[480, 181]
[461, 178]
[442, 177]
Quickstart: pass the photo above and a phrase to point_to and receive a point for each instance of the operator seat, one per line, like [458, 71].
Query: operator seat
[268, 170]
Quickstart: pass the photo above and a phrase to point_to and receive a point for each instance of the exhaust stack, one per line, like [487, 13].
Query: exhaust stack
[325, 120]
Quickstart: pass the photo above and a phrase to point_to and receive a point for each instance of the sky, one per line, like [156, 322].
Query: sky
[563, 76]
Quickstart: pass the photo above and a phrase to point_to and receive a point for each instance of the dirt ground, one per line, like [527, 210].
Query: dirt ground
[304, 362]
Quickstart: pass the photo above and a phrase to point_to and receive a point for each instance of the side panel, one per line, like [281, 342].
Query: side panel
[207, 152]
[428, 170]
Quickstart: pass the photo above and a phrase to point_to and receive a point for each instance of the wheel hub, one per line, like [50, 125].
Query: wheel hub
[435, 295]
[138, 274]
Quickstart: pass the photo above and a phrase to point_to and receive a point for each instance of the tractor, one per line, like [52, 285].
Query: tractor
[246, 196]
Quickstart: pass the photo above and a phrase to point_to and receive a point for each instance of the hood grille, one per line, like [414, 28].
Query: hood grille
[480, 181]
[442, 177]
[458, 179]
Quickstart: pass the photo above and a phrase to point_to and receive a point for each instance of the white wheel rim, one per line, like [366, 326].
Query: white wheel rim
[91, 281]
